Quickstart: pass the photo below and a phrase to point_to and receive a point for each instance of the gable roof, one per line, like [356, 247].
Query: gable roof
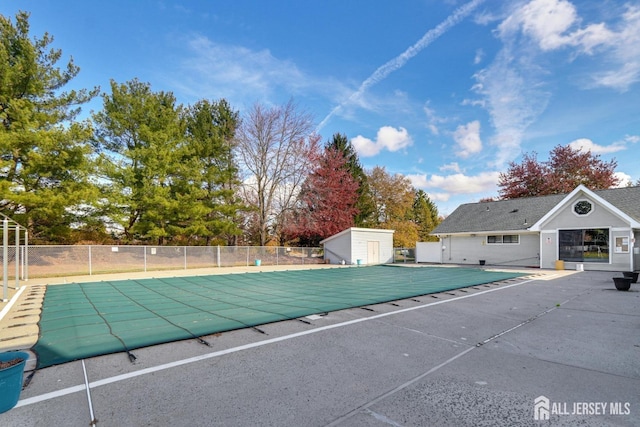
[523, 213]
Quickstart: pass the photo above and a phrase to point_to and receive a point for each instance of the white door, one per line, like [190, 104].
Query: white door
[373, 252]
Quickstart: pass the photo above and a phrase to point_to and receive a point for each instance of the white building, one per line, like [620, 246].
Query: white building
[359, 246]
[593, 230]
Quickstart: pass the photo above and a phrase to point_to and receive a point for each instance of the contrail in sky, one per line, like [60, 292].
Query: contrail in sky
[382, 72]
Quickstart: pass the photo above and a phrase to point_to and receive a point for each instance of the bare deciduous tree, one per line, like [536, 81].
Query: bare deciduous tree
[274, 145]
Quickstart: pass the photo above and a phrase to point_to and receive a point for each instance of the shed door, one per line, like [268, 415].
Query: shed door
[373, 252]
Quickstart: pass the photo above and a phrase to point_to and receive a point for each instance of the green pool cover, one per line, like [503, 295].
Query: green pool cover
[82, 320]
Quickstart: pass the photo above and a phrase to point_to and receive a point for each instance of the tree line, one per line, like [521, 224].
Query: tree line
[147, 169]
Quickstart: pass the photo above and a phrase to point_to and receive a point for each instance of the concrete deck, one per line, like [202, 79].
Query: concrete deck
[476, 356]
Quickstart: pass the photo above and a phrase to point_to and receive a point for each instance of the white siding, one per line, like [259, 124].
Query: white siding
[338, 249]
[600, 217]
[429, 252]
[351, 245]
[548, 249]
[471, 249]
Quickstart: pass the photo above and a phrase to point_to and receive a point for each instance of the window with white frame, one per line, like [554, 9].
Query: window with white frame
[503, 239]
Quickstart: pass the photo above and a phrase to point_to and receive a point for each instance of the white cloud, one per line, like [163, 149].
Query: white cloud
[439, 197]
[236, 68]
[242, 76]
[549, 23]
[554, 24]
[543, 20]
[584, 144]
[388, 138]
[458, 183]
[632, 138]
[479, 56]
[454, 167]
[625, 52]
[512, 88]
[623, 179]
[432, 119]
[467, 139]
[513, 98]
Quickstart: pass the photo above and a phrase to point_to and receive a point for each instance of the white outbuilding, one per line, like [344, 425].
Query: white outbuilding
[359, 246]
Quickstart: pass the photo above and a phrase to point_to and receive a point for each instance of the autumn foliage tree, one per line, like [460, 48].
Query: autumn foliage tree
[394, 197]
[564, 171]
[327, 202]
[365, 203]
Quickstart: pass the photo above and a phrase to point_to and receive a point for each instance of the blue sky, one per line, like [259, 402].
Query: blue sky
[444, 92]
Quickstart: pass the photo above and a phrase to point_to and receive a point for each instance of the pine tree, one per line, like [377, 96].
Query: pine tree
[210, 171]
[45, 157]
[141, 139]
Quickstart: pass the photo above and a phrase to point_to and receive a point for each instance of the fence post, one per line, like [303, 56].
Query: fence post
[185, 257]
[17, 256]
[5, 260]
[218, 256]
[25, 258]
[144, 257]
[90, 262]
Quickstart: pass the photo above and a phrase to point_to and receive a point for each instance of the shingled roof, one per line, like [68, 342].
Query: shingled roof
[627, 199]
[522, 213]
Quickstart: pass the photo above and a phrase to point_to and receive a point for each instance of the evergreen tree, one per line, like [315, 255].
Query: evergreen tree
[212, 173]
[141, 140]
[45, 158]
[426, 217]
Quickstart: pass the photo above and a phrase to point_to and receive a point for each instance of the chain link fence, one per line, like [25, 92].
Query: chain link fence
[50, 261]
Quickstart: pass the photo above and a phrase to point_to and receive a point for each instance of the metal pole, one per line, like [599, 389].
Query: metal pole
[17, 256]
[185, 257]
[90, 263]
[5, 261]
[145, 259]
[218, 256]
[26, 255]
